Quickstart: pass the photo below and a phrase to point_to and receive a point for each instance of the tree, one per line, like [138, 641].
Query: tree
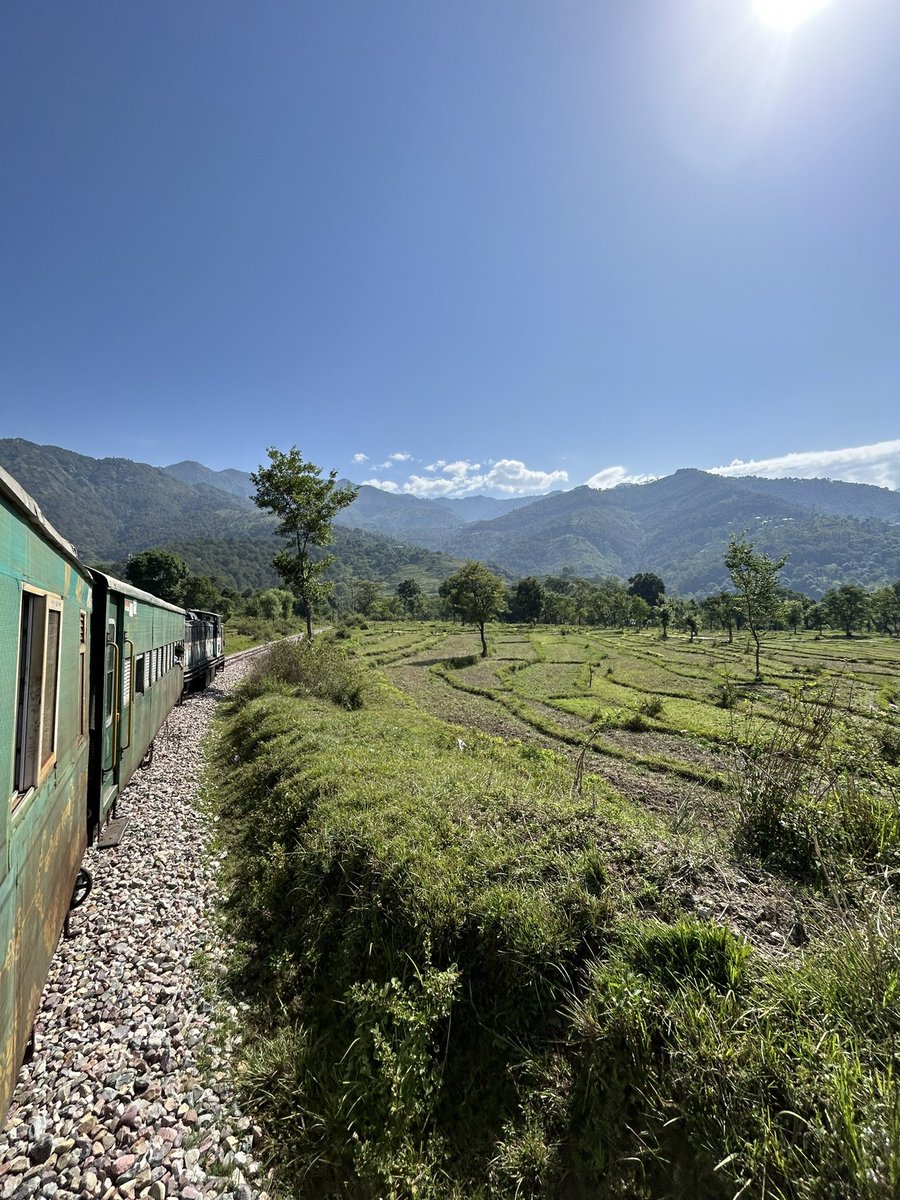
[275, 603]
[665, 616]
[725, 611]
[161, 572]
[528, 600]
[793, 615]
[886, 608]
[367, 593]
[640, 611]
[202, 593]
[475, 594]
[755, 578]
[648, 586]
[410, 595]
[845, 606]
[305, 505]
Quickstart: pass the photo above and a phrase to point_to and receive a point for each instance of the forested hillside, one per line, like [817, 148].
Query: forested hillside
[111, 508]
[677, 526]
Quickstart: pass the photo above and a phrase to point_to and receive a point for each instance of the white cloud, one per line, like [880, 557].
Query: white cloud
[360, 458]
[386, 485]
[400, 456]
[611, 477]
[878, 464]
[505, 477]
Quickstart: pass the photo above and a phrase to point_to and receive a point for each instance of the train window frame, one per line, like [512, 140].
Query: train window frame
[39, 669]
[140, 674]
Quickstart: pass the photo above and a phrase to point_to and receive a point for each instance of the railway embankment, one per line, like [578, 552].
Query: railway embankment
[128, 1094]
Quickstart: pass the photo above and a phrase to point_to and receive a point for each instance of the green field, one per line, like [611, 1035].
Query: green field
[594, 916]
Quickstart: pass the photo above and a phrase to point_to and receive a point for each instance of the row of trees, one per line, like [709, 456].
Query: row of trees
[305, 504]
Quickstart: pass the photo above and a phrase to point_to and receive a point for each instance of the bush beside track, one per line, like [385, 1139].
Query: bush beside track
[454, 991]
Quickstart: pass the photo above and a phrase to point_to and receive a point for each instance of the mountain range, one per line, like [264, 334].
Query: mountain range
[677, 526]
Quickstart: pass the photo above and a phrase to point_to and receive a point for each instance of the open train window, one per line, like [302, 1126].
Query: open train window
[38, 689]
[139, 668]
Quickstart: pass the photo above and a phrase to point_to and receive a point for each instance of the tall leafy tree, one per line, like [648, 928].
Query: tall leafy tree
[161, 572]
[665, 614]
[845, 606]
[475, 594]
[886, 608]
[528, 600]
[755, 578]
[366, 595]
[203, 593]
[648, 586]
[793, 615]
[410, 595]
[305, 505]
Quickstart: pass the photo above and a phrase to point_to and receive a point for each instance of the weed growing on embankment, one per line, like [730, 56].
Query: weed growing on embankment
[452, 993]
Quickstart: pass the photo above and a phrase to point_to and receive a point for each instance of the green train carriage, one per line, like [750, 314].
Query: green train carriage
[90, 668]
[45, 611]
[138, 673]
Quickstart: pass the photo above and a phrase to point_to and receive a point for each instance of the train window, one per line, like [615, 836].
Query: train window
[139, 673]
[38, 693]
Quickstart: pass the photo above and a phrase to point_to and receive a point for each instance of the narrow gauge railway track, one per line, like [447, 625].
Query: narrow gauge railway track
[128, 1093]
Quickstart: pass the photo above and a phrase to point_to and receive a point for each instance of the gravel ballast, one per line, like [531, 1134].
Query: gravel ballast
[128, 1093]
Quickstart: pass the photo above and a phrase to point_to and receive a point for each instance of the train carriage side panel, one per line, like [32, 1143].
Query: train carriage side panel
[137, 667]
[45, 605]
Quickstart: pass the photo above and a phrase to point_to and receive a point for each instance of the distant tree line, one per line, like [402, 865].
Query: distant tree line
[474, 594]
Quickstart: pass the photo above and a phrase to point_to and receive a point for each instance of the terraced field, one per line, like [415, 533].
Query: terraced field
[669, 708]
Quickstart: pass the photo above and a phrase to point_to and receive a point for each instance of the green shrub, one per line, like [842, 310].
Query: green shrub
[808, 797]
[889, 740]
[635, 722]
[317, 669]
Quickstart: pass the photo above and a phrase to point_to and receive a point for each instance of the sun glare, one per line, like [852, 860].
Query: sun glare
[785, 15]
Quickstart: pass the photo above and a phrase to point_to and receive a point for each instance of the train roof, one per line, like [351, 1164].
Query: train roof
[128, 589]
[13, 491]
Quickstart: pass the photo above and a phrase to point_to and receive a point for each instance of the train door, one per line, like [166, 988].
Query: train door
[112, 695]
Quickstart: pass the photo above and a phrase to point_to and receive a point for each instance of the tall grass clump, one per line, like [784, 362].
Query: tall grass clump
[733, 1078]
[319, 669]
[813, 795]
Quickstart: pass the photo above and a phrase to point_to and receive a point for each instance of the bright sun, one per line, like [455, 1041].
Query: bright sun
[786, 14]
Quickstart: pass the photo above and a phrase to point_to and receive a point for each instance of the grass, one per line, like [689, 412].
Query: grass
[476, 969]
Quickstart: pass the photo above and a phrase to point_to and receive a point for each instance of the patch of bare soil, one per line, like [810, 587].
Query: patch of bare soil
[671, 745]
[772, 913]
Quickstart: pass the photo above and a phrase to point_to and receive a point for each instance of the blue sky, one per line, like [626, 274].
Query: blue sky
[497, 245]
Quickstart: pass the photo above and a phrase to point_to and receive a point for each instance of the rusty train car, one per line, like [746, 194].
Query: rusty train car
[89, 669]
